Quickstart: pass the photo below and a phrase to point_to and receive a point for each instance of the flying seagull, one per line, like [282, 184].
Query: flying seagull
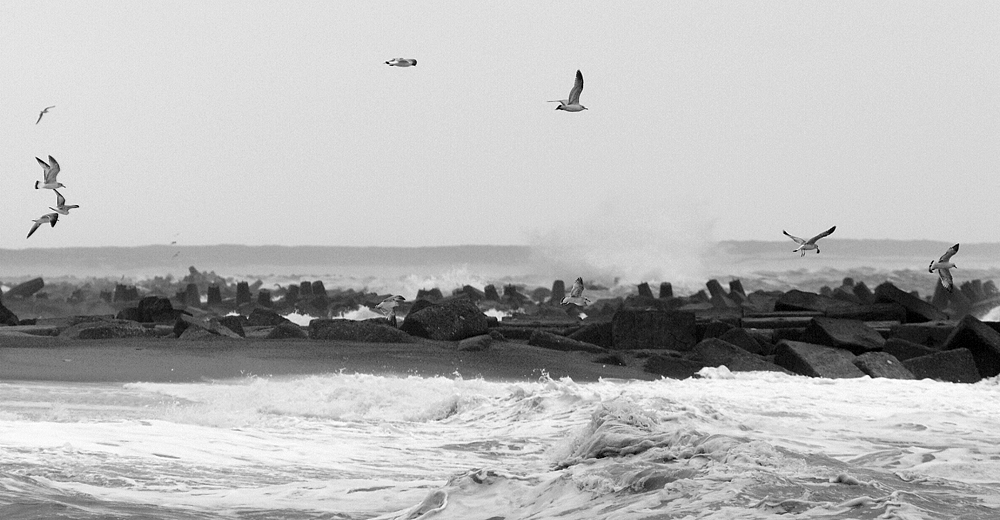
[806, 245]
[388, 307]
[49, 173]
[401, 62]
[943, 265]
[44, 219]
[61, 206]
[573, 103]
[576, 296]
[42, 113]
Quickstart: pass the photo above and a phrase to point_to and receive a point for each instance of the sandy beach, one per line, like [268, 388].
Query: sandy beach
[170, 360]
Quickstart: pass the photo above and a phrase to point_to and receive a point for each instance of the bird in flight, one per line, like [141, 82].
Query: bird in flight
[943, 265]
[50, 218]
[61, 206]
[572, 104]
[806, 245]
[49, 173]
[402, 62]
[576, 296]
[42, 113]
[388, 307]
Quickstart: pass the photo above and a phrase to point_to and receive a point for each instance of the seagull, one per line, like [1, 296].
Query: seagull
[61, 206]
[49, 172]
[573, 103]
[42, 113]
[805, 245]
[576, 296]
[943, 265]
[401, 62]
[388, 307]
[44, 219]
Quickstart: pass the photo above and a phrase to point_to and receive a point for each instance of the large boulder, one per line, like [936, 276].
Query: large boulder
[598, 333]
[715, 352]
[981, 340]
[931, 334]
[287, 330]
[451, 321]
[672, 365]
[955, 366]
[746, 341]
[902, 349]
[816, 360]
[917, 310]
[882, 364]
[361, 331]
[264, 317]
[556, 342]
[106, 329]
[26, 289]
[796, 300]
[850, 335]
[155, 309]
[7, 317]
[640, 328]
[234, 323]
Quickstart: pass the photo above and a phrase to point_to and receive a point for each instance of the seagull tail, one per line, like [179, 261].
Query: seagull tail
[414, 63]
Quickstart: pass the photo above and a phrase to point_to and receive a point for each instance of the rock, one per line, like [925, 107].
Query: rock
[473, 294]
[305, 289]
[361, 331]
[882, 364]
[433, 294]
[214, 295]
[558, 292]
[634, 301]
[287, 330]
[666, 290]
[292, 294]
[598, 333]
[235, 324]
[746, 341]
[26, 289]
[714, 352]
[490, 293]
[556, 342]
[319, 289]
[512, 296]
[264, 298]
[990, 289]
[259, 317]
[106, 329]
[736, 288]
[760, 301]
[420, 305]
[476, 343]
[719, 299]
[451, 321]
[931, 334]
[130, 314]
[796, 300]
[902, 349]
[611, 359]
[211, 324]
[846, 295]
[673, 367]
[242, 293]
[192, 297]
[955, 366]
[155, 309]
[7, 317]
[874, 312]
[645, 291]
[816, 360]
[850, 335]
[637, 329]
[981, 340]
[541, 294]
[917, 310]
[124, 293]
[197, 334]
[715, 329]
[863, 293]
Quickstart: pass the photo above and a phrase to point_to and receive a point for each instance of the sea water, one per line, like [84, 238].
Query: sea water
[339, 446]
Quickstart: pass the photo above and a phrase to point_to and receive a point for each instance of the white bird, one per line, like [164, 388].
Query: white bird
[806, 245]
[49, 173]
[61, 206]
[943, 265]
[402, 62]
[42, 113]
[44, 219]
[388, 307]
[573, 103]
[576, 296]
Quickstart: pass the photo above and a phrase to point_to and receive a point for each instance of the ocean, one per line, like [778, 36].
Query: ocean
[338, 446]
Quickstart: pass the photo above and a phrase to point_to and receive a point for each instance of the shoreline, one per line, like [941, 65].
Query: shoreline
[49, 359]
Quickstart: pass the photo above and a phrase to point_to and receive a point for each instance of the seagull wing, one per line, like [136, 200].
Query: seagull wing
[821, 235]
[40, 114]
[52, 217]
[946, 280]
[50, 175]
[33, 228]
[60, 200]
[574, 95]
[45, 168]
[949, 253]
[577, 289]
[797, 240]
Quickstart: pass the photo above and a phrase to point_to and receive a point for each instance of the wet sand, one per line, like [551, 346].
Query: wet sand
[172, 360]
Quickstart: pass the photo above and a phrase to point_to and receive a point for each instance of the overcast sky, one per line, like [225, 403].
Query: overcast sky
[253, 122]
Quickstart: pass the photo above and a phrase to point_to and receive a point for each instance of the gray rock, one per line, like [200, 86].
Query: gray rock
[598, 333]
[903, 350]
[716, 352]
[850, 335]
[816, 360]
[259, 317]
[955, 366]
[476, 343]
[796, 300]
[917, 310]
[287, 330]
[981, 340]
[746, 341]
[451, 321]
[672, 366]
[556, 342]
[234, 323]
[198, 334]
[931, 334]
[106, 329]
[639, 329]
[26, 289]
[558, 292]
[882, 364]
[7, 317]
[361, 331]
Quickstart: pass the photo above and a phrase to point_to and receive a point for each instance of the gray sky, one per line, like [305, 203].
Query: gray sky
[278, 122]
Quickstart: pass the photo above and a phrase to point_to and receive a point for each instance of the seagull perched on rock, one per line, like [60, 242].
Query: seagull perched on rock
[50, 218]
[61, 206]
[576, 296]
[49, 173]
[42, 113]
[388, 307]
[806, 245]
[943, 265]
[402, 62]
[573, 103]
